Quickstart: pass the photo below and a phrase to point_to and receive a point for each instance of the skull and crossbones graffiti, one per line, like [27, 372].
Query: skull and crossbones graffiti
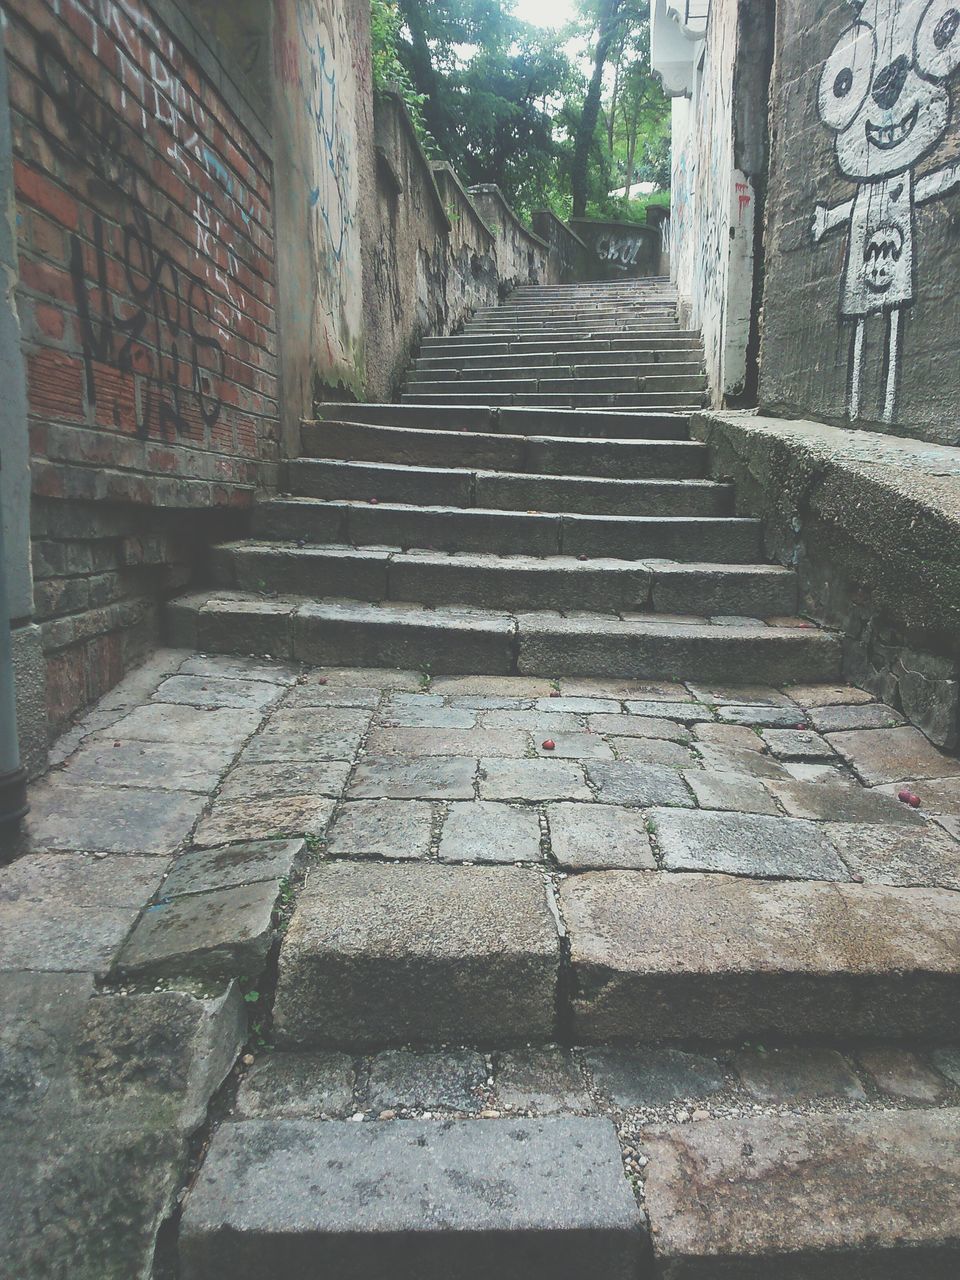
[883, 94]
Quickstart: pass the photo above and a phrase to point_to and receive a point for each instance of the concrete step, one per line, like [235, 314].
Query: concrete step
[663, 361]
[667, 401]
[515, 421]
[519, 1199]
[667, 460]
[460, 639]
[643, 334]
[506, 582]
[505, 491]
[820, 1197]
[559, 380]
[667, 340]
[721, 539]
[608, 364]
[659, 955]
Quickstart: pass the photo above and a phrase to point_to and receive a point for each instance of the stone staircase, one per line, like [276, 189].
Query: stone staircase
[524, 962]
[574, 534]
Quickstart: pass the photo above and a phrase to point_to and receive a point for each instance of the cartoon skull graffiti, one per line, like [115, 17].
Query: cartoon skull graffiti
[883, 93]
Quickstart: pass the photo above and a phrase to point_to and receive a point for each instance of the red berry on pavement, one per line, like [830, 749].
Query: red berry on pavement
[549, 745]
[914, 802]
[904, 794]
[582, 557]
[322, 680]
[554, 693]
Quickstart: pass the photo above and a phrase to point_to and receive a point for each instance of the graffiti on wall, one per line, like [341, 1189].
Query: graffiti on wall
[883, 93]
[620, 250]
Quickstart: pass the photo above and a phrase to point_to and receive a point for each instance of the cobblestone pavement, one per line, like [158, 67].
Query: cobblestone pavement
[210, 807]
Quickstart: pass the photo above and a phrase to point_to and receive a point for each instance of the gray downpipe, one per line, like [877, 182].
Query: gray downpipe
[13, 778]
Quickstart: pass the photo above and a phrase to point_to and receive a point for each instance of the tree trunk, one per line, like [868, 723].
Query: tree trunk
[424, 74]
[587, 127]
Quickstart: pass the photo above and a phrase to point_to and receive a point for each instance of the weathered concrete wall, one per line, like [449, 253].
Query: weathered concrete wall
[522, 257]
[146, 300]
[569, 256]
[323, 127]
[431, 261]
[618, 250]
[719, 164]
[862, 249]
[872, 525]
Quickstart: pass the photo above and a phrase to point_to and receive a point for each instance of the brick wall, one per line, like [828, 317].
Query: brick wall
[146, 257]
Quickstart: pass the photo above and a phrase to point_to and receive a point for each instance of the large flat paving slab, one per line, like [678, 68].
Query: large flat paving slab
[660, 955]
[381, 954]
[410, 1200]
[873, 1197]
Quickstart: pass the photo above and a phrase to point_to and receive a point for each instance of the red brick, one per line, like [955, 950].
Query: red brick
[51, 321]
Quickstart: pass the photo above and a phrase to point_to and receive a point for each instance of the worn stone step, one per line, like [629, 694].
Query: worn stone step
[560, 381]
[432, 371]
[574, 308]
[460, 639]
[643, 334]
[520, 421]
[689, 360]
[664, 400]
[719, 539]
[519, 1199]
[668, 340]
[507, 491]
[509, 582]
[668, 460]
[657, 955]
[822, 1197]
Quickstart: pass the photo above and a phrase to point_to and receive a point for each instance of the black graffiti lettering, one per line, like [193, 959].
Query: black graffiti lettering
[96, 336]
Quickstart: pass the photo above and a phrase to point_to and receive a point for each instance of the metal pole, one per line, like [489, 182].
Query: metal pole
[13, 778]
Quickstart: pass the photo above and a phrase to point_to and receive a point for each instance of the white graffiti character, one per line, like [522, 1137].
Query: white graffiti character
[883, 93]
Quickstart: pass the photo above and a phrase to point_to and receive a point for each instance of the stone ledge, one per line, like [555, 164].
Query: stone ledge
[872, 523]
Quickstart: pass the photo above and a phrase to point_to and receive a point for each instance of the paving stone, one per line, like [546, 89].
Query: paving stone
[532, 780]
[402, 1079]
[658, 956]
[60, 936]
[428, 717]
[446, 742]
[733, 736]
[300, 1193]
[155, 1058]
[950, 825]
[366, 677]
[796, 744]
[762, 717]
[101, 820]
[546, 1081]
[40, 1015]
[487, 703]
[893, 755]
[800, 1197]
[285, 778]
[653, 751]
[828, 695]
[873, 715]
[730, 791]
[539, 724]
[901, 1074]
[579, 706]
[792, 1076]
[276, 746]
[219, 691]
[937, 795]
[585, 837]
[396, 779]
[577, 746]
[235, 667]
[308, 722]
[81, 881]
[381, 829]
[161, 766]
[832, 773]
[638, 690]
[751, 764]
[264, 819]
[492, 686]
[688, 712]
[315, 695]
[628, 726]
[947, 1062]
[219, 935]
[642, 785]
[648, 1077]
[734, 620]
[201, 871]
[296, 1086]
[743, 695]
[173, 722]
[746, 844]
[483, 831]
[429, 954]
[833, 801]
[137, 685]
[897, 855]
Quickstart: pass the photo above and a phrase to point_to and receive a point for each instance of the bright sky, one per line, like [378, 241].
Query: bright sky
[546, 13]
